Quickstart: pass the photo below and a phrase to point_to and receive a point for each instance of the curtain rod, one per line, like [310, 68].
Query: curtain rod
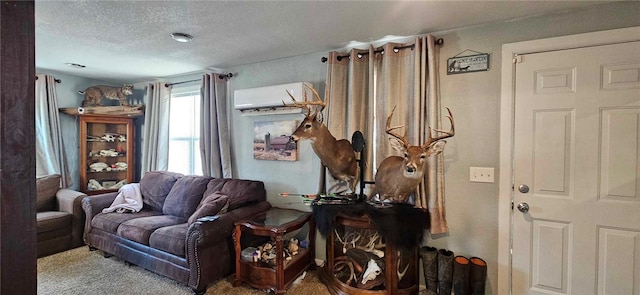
[221, 76]
[57, 80]
[439, 41]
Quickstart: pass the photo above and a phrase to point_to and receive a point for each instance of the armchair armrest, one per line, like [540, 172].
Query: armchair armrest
[92, 205]
[70, 201]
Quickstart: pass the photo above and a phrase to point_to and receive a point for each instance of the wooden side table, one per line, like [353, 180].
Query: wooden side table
[274, 223]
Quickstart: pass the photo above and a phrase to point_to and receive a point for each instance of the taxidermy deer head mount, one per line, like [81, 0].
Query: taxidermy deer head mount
[337, 155]
[397, 177]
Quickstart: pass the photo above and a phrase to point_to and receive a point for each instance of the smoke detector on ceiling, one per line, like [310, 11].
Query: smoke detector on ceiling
[182, 37]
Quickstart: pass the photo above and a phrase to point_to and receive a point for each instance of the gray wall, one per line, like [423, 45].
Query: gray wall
[474, 98]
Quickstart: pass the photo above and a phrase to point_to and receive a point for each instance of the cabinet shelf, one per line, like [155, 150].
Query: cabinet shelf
[302, 253]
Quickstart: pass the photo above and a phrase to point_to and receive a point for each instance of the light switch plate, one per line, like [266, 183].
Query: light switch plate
[481, 174]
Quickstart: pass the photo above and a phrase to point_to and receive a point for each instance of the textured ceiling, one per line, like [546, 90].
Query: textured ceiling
[129, 41]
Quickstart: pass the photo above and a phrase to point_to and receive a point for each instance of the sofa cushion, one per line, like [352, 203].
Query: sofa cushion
[185, 195]
[210, 205]
[110, 222]
[170, 239]
[240, 191]
[140, 229]
[46, 188]
[155, 186]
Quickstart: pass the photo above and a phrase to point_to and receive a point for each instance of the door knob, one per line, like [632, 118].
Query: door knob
[523, 188]
[523, 207]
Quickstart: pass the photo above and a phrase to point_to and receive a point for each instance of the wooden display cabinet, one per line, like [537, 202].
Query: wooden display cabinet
[106, 153]
[400, 274]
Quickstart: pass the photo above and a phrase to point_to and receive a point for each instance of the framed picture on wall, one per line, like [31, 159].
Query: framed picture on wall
[271, 141]
[468, 64]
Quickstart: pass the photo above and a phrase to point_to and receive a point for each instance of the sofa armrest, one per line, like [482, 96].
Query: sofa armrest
[205, 233]
[93, 205]
[70, 201]
[208, 231]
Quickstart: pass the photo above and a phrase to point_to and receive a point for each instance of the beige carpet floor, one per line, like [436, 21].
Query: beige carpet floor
[80, 271]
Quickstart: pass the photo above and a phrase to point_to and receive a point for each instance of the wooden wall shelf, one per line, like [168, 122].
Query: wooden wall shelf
[122, 111]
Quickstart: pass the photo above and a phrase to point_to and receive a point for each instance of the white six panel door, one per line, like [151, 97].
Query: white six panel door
[577, 149]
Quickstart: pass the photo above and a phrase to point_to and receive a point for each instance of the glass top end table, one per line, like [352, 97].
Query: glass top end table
[274, 223]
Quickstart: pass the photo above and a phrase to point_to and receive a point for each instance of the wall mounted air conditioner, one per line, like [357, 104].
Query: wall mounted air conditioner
[268, 100]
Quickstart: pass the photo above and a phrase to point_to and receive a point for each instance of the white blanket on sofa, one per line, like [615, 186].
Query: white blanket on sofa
[128, 200]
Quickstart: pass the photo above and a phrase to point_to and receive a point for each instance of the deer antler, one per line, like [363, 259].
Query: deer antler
[320, 101]
[389, 130]
[373, 245]
[348, 239]
[431, 140]
[306, 105]
[398, 272]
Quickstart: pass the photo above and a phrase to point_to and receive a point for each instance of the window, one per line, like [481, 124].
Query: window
[184, 131]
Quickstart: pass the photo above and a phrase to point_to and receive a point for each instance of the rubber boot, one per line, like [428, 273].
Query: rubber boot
[461, 267]
[429, 257]
[477, 275]
[445, 271]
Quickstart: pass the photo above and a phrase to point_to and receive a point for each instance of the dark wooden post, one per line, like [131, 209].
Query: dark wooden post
[17, 148]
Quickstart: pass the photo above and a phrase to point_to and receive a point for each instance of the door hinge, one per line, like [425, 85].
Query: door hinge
[517, 59]
[511, 204]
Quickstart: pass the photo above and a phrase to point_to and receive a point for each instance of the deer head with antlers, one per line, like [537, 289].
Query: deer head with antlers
[337, 155]
[397, 177]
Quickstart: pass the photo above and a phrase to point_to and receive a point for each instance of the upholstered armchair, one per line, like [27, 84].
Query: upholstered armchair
[60, 218]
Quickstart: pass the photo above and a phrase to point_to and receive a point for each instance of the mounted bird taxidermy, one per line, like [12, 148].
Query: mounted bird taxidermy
[398, 177]
[337, 155]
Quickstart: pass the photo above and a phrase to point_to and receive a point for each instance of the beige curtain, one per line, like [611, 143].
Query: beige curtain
[347, 96]
[155, 143]
[214, 127]
[50, 153]
[365, 85]
[431, 190]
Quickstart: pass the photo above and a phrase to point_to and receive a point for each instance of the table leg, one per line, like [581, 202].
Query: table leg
[312, 242]
[279, 265]
[236, 242]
